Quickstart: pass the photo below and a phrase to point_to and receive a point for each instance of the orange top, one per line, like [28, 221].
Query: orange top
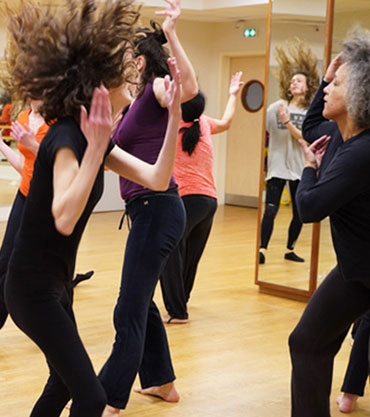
[29, 157]
[194, 173]
[6, 118]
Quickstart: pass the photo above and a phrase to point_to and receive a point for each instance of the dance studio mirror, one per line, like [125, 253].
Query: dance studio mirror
[307, 20]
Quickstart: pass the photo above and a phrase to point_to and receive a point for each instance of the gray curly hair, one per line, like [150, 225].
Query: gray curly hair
[356, 54]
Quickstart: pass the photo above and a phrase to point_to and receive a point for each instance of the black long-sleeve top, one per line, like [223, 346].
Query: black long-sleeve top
[341, 191]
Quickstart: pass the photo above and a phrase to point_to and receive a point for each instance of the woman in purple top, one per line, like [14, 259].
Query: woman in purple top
[158, 221]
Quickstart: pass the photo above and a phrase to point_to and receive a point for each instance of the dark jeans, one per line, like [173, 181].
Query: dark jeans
[158, 221]
[358, 365]
[178, 277]
[315, 341]
[41, 306]
[274, 190]
[11, 230]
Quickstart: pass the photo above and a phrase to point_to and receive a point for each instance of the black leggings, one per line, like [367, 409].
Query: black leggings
[315, 341]
[274, 190]
[41, 306]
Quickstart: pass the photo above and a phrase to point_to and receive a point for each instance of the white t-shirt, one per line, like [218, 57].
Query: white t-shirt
[285, 156]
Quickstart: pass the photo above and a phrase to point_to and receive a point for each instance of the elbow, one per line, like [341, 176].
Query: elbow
[62, 223]
[63, 227]
[189, 92]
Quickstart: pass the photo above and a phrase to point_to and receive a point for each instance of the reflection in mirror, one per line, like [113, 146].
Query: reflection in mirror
[306, 19]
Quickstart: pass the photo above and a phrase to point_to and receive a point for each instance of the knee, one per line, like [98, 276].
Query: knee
[298, 342]
[271, 210]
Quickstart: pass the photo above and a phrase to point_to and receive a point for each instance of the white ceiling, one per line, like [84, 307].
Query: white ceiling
[229, 10]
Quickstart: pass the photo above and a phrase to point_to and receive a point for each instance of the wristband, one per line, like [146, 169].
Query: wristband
[285, 123]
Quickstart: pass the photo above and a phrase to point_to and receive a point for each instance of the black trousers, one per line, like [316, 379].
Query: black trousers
[315, 341]
[141, 345]
[178, 277]
[11, 230]
[358, 366]
[274, 190]
[41, 306]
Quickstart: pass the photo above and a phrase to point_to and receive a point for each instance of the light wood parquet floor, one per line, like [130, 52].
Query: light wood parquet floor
[231, 359]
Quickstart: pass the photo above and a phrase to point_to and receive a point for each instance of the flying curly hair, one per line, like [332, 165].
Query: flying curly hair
[59, 56]
[299, 60]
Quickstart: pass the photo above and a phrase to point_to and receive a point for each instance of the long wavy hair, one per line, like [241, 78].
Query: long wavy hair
[149, 43]
[356, 54]
[298, 60]
[59, 55]
[191, 112]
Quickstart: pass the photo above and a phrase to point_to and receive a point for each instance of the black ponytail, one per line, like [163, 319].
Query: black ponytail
[191, 112]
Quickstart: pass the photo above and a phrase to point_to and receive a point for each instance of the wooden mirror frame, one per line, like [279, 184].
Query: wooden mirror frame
[267, 287]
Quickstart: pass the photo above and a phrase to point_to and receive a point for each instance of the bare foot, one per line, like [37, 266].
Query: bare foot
[110, 411]
[166, 392]
[347, 402]
[173, 320]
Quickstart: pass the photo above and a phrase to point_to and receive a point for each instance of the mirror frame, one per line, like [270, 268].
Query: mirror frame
[279, 289]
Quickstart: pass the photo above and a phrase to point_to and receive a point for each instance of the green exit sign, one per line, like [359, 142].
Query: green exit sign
[250, 33]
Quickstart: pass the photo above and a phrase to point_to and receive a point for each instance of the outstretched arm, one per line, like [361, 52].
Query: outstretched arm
[189, 83]
[157, 176]
[223, 124]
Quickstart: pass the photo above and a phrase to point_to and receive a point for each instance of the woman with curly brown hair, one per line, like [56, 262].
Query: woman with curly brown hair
[157, 224]
[64, 59]
[298, 79]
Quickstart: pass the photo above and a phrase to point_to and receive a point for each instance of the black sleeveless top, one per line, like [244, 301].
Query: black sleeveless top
[39, 248]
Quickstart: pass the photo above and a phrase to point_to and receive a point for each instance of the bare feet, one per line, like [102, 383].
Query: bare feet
[347, 402]
[166, 392]
[110, 411]
[173, 320]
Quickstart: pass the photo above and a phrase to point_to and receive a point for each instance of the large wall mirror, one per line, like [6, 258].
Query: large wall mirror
[311, 21]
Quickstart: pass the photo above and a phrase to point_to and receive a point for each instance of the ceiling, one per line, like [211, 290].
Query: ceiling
[250, 9]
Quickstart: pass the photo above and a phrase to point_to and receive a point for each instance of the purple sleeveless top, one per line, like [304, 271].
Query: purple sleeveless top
[141, 133]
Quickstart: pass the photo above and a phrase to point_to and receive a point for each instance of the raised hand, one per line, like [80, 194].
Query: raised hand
[332, 68]
[172, 13]
[97, 126]
[24, 135]
[235, 83]
[283, 113]
[172, 96]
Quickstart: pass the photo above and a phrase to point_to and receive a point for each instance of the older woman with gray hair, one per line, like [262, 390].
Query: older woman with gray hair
[335, 183]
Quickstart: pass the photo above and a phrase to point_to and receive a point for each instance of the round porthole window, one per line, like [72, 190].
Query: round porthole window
[252, 96]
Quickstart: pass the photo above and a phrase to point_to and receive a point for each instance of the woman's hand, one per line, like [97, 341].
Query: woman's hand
[235, 83]
[283, 113]
[97, 126]
[332, 68]
[314, 153]
[24, 135]
[172, 13]
[172, 95]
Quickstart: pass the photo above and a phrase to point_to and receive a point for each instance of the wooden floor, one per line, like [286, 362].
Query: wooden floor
[231, 359]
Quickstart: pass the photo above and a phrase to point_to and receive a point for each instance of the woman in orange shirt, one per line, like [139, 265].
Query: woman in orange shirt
[28, 130]
[193, 173]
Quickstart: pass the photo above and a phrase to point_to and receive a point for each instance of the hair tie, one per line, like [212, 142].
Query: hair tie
[195, 120]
